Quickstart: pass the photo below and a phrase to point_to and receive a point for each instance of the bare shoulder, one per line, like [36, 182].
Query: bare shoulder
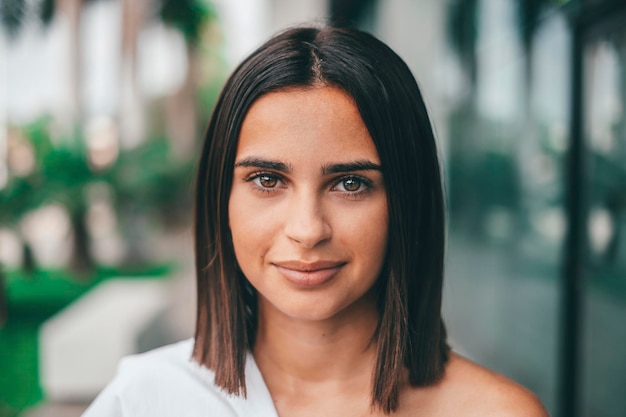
[477, 391]
[470, 390]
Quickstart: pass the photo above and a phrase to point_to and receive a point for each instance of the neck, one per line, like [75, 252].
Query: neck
[337, 350]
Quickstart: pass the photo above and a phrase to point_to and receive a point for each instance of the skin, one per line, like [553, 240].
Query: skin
[309, 222]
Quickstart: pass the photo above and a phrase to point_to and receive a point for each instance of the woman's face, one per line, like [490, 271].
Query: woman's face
[308, 206]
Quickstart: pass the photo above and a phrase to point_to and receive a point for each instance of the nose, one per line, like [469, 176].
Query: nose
[306, 223]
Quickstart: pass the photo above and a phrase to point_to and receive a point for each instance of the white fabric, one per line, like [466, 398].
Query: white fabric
[165, 382]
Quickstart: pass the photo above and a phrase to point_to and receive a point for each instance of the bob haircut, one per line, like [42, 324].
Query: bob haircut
[410, 335]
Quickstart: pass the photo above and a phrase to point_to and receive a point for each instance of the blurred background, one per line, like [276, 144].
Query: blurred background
[102, 108]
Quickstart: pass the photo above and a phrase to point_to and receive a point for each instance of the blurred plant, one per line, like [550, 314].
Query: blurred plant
[145, 178]
[59, 174]
[4, 302]
[12, 15]
[188, 16]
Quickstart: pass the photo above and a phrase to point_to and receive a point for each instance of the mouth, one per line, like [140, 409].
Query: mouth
[309, 274]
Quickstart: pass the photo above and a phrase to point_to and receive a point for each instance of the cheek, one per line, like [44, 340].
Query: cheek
[376, 244]
[365, 232]
[238, 217]
[250, 231]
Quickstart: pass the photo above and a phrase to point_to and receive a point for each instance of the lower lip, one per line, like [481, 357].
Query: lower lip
[308, 278]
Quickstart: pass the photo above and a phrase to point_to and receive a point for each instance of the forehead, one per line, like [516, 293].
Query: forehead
[314, 122]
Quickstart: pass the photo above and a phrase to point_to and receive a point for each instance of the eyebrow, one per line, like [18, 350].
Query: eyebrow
[359, 165]
[254, 162]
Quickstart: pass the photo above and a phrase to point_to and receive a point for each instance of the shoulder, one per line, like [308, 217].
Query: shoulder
[481, 392]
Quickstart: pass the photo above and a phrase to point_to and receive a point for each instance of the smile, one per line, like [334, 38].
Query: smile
[308, 274]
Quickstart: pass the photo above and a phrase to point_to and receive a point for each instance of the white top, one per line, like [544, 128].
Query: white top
[166, 382]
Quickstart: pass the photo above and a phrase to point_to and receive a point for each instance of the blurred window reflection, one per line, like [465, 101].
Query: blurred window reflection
[604, 332]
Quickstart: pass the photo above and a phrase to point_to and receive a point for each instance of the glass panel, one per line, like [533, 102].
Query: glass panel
[506, 189]
[604, 325]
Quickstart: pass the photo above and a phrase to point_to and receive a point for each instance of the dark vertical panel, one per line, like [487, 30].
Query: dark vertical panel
[573, 269]
[589, 17]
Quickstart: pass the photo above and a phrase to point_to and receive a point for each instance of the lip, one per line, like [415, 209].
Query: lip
[308, 274]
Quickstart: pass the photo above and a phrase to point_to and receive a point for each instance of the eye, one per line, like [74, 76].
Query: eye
[264, 181]
[351, 185]
[267, 181]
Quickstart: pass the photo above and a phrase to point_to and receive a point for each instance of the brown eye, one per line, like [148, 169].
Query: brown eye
[351, 184]
[268, 181]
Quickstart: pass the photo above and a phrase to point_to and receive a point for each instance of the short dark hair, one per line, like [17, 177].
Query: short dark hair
[410, 333]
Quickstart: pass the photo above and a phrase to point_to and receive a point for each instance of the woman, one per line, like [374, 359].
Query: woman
[319, 252]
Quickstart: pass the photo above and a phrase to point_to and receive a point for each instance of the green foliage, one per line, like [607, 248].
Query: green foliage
[188, 16]
[46, 12]
[147, 175]
[147, 179]
[59, 176]
[19, 361]
[12, 14]
[47, 291]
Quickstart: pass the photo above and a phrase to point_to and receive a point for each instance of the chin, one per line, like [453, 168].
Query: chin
[314, 313]
[306, 311]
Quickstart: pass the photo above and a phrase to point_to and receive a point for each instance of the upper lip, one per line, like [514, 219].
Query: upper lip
[308, 266]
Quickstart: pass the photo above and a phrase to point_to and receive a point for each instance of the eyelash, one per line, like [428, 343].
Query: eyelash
[366, 185]
[257, 176]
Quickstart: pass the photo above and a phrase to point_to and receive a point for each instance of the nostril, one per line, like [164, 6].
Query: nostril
[307, 227]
